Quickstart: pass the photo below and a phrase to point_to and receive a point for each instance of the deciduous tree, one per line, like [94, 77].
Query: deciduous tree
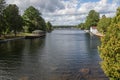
[92, 19]
[103, 24]
[2, 7]
[13, 19]
[33, 20]
[81, 26]
[49, 26]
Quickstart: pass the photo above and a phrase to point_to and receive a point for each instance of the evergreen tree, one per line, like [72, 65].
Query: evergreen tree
[110, 49]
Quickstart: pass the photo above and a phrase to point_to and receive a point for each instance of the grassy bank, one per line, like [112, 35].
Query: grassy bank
[11, 36]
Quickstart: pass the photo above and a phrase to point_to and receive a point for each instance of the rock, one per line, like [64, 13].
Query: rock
[24, 78]
[85, 71]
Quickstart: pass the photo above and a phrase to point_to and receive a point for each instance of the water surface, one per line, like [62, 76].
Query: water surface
[61, 55]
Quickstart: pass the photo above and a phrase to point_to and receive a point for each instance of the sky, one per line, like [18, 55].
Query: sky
[68, 12]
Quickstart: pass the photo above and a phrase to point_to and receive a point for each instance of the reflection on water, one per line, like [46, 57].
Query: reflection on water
[62, 55]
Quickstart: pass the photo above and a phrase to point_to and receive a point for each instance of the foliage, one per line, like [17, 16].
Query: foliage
[42, 24]
[49, 26]
[110, 49]
[33, 20]
[31, 13]
[13, 19]
[103, 24]
[92, 19]
[3, 26]
[81, 26]
[2, 6]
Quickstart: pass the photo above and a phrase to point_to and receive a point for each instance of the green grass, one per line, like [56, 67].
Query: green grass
[10, 36]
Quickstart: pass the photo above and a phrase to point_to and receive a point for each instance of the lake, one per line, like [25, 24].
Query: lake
[61, 55]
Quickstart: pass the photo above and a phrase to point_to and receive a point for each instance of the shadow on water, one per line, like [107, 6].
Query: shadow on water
[13, 56]
[62, 55]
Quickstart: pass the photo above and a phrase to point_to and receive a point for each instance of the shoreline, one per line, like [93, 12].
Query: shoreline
[92, 33]
[22, 37]
[99, 34]
[11, 39]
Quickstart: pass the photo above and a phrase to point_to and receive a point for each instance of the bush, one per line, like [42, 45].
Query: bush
[110, 49]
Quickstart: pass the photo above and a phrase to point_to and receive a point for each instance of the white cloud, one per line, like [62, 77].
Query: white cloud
[68, 11]
[42, 5]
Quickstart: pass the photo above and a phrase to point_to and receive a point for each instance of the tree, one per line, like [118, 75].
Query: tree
[42, 24]
[13, 19]
[33, 20]
[31, 13]
[110, 49]
[103, 24]
[49, 26]
[92, 19]
[81, 26]
[2, 6]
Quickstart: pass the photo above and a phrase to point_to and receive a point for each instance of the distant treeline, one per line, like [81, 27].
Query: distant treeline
[64, 26]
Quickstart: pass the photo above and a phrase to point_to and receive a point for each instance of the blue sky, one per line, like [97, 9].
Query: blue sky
[68, 12]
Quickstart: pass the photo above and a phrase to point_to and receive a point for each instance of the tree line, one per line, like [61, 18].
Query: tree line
[93, 19]
[12, 22]
[109, 49]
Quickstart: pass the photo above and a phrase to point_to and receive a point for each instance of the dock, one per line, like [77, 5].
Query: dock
[94, 31]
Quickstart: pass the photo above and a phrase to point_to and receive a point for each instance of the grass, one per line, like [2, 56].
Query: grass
[10, 36]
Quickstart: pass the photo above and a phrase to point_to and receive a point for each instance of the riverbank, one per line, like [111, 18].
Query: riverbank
[11, 37]
[99, 34]
[96, 34]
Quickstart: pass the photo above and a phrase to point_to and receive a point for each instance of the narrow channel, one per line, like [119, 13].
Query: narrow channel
[61, 55]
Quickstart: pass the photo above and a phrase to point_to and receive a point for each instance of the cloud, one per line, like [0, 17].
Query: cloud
[68, 12]
[42, 5]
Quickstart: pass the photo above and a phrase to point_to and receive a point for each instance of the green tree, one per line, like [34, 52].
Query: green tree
[2, 6]
[49, 26]
[103, 24]
[33, 20]
[13, 19]
[110, 49]
[92, 19]
[42, 24]
[81, 26]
